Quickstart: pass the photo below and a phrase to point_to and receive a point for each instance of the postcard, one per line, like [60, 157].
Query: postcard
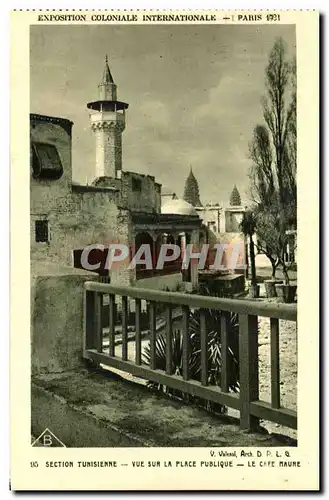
[164, 248]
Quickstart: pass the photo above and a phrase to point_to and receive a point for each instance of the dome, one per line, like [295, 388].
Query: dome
[178, 207]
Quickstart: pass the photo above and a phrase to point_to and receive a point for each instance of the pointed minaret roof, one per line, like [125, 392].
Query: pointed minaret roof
[107, 93]
[235, 198]
[107, 77]
[191, 190]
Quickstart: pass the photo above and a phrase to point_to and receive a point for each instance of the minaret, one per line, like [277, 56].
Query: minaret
[108, 121]
[191, 190]
[235, 198]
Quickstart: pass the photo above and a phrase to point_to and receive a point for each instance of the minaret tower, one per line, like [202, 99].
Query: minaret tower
[108, 120]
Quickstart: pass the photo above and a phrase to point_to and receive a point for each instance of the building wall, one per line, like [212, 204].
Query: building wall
[79, 216]
[210, 217]
[120, 274]
[140, 193]
[221, 220]
[51, 199]
[233, 220]
[46, 193]
[84, 215]
[75, 219]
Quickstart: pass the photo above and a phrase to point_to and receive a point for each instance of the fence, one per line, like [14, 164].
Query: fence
[247, 400]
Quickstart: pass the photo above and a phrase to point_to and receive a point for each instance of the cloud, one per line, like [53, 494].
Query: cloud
[152, 113]
[193, 92]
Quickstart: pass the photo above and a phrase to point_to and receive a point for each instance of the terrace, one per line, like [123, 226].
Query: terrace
[91, 378]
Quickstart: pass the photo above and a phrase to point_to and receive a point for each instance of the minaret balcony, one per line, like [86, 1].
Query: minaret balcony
[103, 117]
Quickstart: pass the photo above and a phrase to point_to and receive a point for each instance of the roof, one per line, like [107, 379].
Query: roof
[109, 105]
[63, 122]
[235, 198]
[79, 188]
[165, 222]
[191, 190]
[107, 77]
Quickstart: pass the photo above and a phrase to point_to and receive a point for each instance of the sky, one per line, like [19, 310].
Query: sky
[194, 94]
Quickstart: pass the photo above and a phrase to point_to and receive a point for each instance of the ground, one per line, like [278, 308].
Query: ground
[148, 418]
[264, 273]
[288, 369]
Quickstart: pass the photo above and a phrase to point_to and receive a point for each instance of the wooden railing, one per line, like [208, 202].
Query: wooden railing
[246, 400]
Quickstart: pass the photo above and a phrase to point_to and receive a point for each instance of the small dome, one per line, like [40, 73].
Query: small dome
[178, 207]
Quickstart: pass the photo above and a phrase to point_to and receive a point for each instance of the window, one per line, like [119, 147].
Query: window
[41, 231]
[46, 162]
[136, 184]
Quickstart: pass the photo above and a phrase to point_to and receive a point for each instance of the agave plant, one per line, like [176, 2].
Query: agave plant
[177, 361]
[213, 322]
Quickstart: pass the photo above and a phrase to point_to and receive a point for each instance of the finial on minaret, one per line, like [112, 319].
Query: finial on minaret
[107, 79]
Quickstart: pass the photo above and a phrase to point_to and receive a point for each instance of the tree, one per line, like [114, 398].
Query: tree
[248, 226]
[273, 154]
[261, 171]
[269, 236]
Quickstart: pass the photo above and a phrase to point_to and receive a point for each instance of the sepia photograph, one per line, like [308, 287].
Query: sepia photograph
[163, 236]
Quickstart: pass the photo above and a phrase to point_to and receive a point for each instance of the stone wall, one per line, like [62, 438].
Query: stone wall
[57, 294]
[76, 217]
[140, 193]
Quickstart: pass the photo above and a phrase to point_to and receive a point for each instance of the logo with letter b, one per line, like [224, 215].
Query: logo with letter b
[48, 439]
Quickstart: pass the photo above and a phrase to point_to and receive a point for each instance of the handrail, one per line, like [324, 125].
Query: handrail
[247, 401]
[269, 310]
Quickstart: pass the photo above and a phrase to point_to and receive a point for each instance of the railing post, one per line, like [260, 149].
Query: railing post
[124, 328]
[112, 321]
[204, 347]
[186, 342]
[248, 358]
[275, 363]
[224, 329]
[89, 321]
[98, 332]
[169, 340]
[138, 358]
[152, 309]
